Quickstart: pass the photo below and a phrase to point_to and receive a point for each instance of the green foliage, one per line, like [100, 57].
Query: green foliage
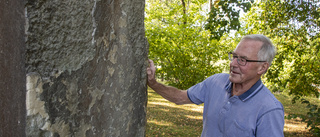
[224, 16]
[181, 50]
[312, 118]
[296, 66]
[294, 28]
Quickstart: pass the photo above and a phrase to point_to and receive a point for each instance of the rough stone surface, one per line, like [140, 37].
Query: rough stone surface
[12, 69]
[86, 64]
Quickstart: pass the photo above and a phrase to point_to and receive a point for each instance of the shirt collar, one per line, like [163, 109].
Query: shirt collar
[249, 93]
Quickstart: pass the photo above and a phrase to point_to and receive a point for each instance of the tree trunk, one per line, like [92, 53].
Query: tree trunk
[184, 12]
[86, 64]
[12, 69]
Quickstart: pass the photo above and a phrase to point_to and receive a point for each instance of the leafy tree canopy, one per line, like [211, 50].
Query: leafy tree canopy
[294, 27]
[179, 44]
[224, 16]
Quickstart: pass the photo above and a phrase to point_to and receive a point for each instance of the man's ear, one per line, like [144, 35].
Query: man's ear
[263, 68]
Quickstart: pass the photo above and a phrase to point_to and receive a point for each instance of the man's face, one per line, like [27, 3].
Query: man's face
[248, 73]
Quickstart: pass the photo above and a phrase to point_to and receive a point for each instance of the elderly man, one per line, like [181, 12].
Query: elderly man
[235, 104]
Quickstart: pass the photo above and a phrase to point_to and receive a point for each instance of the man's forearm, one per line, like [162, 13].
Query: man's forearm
[172, 94]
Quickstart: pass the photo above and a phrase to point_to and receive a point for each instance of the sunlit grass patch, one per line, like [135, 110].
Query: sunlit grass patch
[168, 119]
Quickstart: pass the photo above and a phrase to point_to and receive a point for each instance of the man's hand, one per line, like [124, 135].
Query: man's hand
[151, 71]
[170, 93]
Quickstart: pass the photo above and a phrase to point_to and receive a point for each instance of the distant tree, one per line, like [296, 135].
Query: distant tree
[179, 44]
[224, 16]
[294, 26]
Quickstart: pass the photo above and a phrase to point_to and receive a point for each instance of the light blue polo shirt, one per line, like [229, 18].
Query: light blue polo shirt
[256, 113]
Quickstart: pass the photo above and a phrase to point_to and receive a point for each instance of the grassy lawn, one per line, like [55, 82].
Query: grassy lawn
[166, 119]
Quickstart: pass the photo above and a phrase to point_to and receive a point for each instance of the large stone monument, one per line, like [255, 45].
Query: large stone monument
[85, 64]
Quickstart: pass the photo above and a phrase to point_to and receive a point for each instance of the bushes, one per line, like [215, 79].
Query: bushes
[312, 118]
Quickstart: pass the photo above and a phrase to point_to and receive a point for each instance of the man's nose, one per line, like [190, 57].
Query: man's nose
[234, 62]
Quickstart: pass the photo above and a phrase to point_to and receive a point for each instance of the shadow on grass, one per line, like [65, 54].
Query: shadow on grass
[296, 128]
[297, 134]
[167, 119]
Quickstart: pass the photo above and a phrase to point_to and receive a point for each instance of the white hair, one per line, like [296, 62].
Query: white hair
[267, 51]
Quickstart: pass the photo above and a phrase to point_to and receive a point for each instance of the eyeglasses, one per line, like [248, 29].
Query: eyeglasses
[241, 60]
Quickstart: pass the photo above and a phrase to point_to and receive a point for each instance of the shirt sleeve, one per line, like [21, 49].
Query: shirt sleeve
[200, 92]
[197, 93]
[271, 124]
